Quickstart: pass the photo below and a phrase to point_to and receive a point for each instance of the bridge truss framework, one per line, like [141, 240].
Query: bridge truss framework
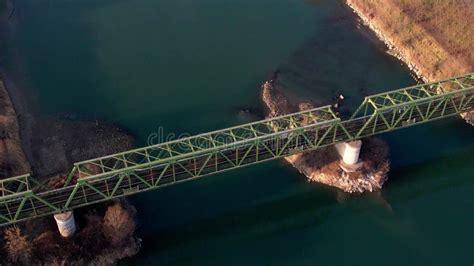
[164, 164]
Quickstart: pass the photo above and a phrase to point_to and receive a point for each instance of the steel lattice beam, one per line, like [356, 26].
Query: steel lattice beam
[152, 167]
[199, 144]
[406, 96]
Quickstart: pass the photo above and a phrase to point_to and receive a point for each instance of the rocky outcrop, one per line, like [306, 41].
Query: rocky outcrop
[323, 165]
[469, 117]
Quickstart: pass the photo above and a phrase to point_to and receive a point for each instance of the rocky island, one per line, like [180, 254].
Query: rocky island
[325, 165]
[413, 32]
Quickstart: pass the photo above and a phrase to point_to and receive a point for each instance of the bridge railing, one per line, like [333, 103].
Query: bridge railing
[202, 143]
[14, 185]
[294, 133]
[408, 95]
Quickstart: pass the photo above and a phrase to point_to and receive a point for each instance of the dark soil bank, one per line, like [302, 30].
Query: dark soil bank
[51, 144]
[106, 232]
[58, 142]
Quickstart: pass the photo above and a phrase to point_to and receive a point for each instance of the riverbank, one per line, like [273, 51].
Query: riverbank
[47, 147]
[414, 32]
[434, 39]
[13, 161]
[12, 157]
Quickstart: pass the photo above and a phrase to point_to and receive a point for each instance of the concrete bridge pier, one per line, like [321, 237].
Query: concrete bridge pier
[349, 152]
[66, 223]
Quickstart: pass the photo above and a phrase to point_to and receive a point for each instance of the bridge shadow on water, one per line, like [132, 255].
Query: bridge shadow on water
[437, 174]
[313, 209]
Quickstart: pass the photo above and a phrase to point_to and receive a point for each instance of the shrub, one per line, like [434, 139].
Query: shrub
[118, 226]
[17, 246]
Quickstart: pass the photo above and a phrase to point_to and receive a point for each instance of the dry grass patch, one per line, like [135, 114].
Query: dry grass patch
[435, 36]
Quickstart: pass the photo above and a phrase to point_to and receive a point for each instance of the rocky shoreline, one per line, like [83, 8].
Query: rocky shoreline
[426, 55]
[324, 165]
[416, 39]
[393, 50]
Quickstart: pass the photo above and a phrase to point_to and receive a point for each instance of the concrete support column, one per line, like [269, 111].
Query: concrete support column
[351, 152]
[66, 223]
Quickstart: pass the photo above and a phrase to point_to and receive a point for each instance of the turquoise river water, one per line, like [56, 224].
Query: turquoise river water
[190, 66]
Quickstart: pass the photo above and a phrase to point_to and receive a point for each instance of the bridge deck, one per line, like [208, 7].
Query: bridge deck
[156, 166]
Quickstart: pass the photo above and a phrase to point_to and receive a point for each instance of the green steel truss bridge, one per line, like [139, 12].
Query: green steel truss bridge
[152, 167]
